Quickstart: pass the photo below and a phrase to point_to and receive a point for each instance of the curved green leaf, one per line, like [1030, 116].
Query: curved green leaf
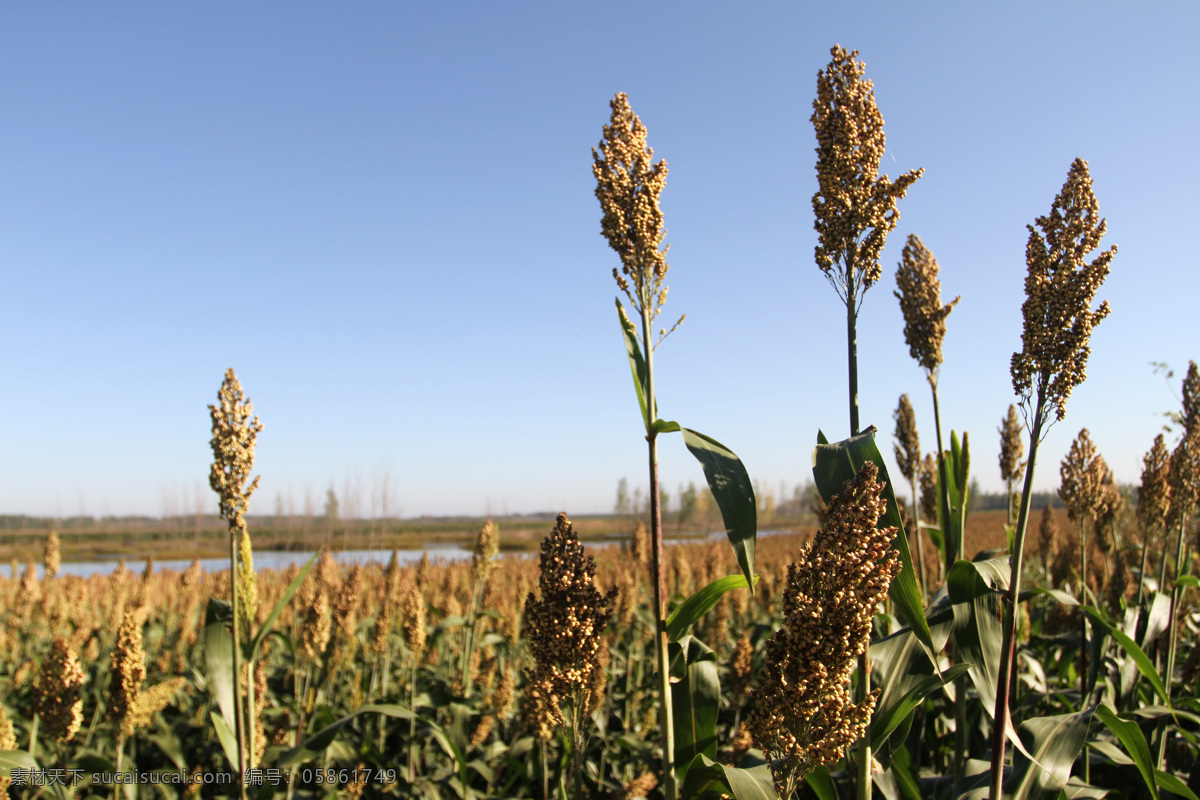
[820, 781]
[1188, 580]
[225, 737]
[883, 723]
[664, 426]
[218, 660]
[314, 745]
[637, 363]
[16, 759]
[731, 487]
[690, 611]
[1172, 783]
[695, 699]
[708, 779]
[280, 604]
[1144, 664]
[1130, 736]
[833, 465]
[1054, 743]
[978, 585]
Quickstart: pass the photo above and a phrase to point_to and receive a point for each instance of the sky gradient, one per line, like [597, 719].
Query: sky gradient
[381, 215]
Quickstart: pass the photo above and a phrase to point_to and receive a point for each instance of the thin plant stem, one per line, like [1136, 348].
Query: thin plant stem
[239, 733]
[1169, 675]
[920, 543]
[1001, 721]
[660, 586]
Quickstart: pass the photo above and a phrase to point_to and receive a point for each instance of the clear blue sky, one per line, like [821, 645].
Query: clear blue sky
[382, 216]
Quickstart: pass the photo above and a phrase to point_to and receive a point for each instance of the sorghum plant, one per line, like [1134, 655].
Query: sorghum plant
[628, 185]
[920, 296]
[1058, 323]
[803, 715]
[1154, 506]
[908, 459]
[565, 634]
[1011, 450]
[234, 436]
[854, 210]
[854, 206]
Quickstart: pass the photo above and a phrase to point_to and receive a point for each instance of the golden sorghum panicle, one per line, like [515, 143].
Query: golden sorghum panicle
[1059, 287]
[1076, 489]
[628, 186]
[487, 545]
[1109, 502]
[1011, 447]
[803, 715]
[1154, 498]
[854, 206]
[234, 434]
[59, 698]
[928, 480]
[52, 555]
[412, 607]
[8, 741]
[920, 298]
[1191, 397]
[565, 631]
[908, 446]
[1185, 477]
[641, 786]
[128, 672]
[247, 579]
[1047, 534]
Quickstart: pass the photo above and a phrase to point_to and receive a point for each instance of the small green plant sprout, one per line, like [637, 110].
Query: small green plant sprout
[1058, 321]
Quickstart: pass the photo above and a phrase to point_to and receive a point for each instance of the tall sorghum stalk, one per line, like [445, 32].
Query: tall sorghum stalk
[908, 458]
[1011, 450]
[1078, 493]
[628, 185]
[234, 434]
[1154, 505]
[487, 545]
[1185, 499]
[1058, 323]
[920, 296]
[802, 716]
[854, 210]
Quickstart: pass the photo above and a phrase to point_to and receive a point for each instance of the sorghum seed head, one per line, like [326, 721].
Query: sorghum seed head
[628, 185]
[854, 206]
[1059, 287]
[234, 435]
[59, 699]
[1154, 498]
[52, 555]
[908, 447]
[803, 715]
[1011, 447]
[487, 545]
[920, 296]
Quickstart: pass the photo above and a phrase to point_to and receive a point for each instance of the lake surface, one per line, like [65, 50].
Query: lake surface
[280, 560]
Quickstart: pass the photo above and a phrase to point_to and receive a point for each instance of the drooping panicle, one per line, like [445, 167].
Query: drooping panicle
[803, 712]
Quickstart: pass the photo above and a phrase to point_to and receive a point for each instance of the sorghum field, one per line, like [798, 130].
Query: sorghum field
[905, 647]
